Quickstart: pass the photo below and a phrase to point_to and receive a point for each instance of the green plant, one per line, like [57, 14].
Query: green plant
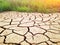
[22, 9]
[4, 5]
[28, 6]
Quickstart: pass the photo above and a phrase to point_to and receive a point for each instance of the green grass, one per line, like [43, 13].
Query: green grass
[24, 6]
[22, 9]
[4, 6]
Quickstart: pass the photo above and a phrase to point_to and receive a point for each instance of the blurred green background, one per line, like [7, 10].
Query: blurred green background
[43, 6]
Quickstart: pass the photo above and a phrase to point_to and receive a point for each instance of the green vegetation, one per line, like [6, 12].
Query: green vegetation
[4, 5]
[24, 6]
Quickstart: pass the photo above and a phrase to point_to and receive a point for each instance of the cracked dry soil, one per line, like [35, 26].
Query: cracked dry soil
[18, 28]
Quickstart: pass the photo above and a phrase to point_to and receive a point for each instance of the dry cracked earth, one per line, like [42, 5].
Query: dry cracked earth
[18, 28]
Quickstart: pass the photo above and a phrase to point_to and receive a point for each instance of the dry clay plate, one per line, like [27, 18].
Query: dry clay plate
[20, 28]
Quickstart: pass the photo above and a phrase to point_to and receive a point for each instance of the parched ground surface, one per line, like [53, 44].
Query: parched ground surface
[18, 28]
